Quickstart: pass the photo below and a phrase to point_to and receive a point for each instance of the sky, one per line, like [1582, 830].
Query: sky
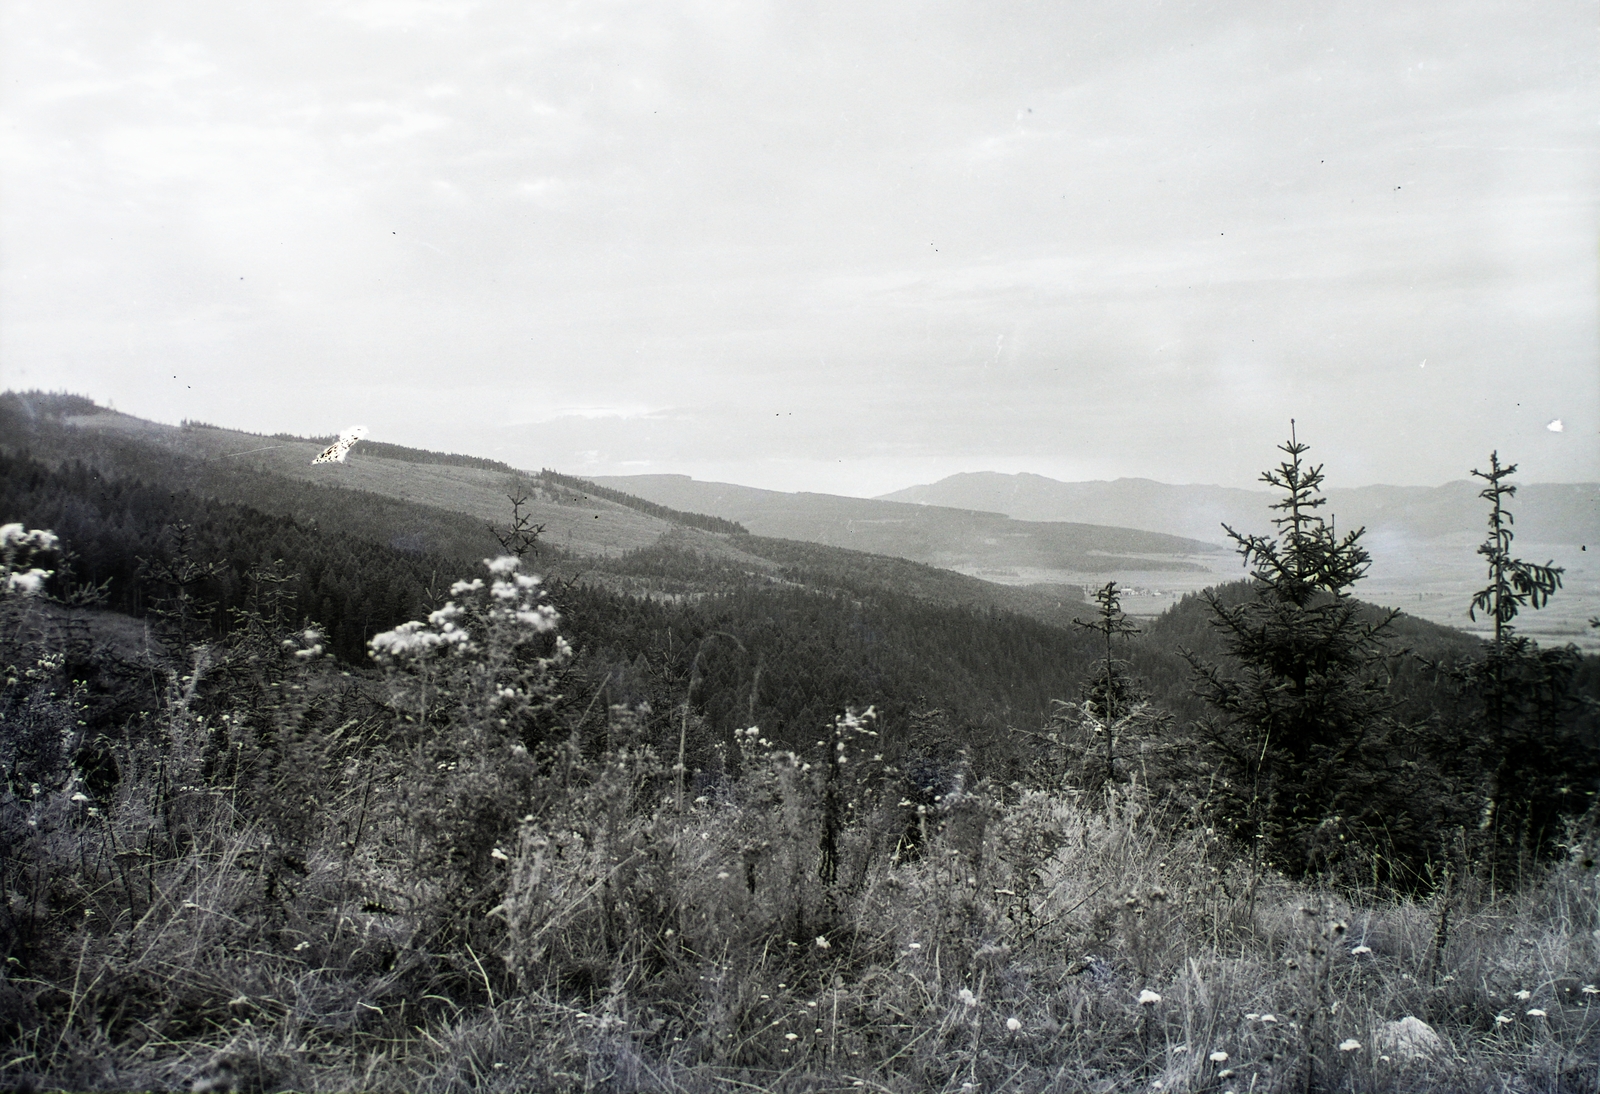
[838, 247]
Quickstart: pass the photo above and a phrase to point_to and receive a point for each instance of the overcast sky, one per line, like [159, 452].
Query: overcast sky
[842, 247]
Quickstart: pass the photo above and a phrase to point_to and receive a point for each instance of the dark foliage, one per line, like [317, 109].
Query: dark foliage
[1305, 741]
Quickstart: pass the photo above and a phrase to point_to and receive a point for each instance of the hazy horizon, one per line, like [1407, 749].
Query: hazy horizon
[842, 250]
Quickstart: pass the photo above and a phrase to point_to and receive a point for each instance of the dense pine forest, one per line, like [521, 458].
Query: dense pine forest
[315, 788]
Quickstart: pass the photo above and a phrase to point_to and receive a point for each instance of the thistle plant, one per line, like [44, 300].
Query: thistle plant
[473, 680]
[487, 655]
[21, 552]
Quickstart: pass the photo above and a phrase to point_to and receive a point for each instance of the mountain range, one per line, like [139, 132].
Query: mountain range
[1546, 513]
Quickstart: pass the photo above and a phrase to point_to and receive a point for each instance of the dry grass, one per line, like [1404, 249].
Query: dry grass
[645, 950]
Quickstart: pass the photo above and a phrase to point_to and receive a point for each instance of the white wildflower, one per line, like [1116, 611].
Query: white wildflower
[1503, 1019]
[1148, 998]
[1359, 950]
[967, 998]
[505, 564]
[1013, 1024]
[1351, 1045]
[1218, 1057]
[499, 855]
[29, 582]
[1524, 995]
[822, 943]
[1536, 1012]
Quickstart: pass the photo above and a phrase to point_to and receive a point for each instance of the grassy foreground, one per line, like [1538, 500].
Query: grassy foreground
[673, 951]
[288, 885]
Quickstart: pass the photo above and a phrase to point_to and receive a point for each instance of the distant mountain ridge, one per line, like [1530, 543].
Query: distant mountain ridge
[1551, 513]
[955, 537]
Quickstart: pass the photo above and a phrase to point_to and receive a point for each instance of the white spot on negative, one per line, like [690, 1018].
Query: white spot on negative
[1555, 426]
[339, 449]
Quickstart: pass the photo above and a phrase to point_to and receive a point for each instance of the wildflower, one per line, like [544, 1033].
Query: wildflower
[1535, 1012]
[1524, 995]
[1590, 989]
[499, 855]
[28, 582]
[822, 943]
[1218, 1057]
[80, 796]
[1359, 950]
[1252, 1017]
[1503, 1019]
[505, 564]
[1148, 998]
[915, 946]
[791, 1036]
[967, 998]
[1351, 1045]
[723, 875]
[306, 945]
[1013, 1024]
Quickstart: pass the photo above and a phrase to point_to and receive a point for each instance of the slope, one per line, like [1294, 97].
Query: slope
[968, 539]
[416, 502]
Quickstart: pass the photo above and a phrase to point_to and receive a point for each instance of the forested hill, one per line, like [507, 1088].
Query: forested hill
[942, 536]
[419, 508]
[793, 639]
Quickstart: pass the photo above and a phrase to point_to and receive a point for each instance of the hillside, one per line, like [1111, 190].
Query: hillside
[968, 539]
[414, 501]
[1555, 513]
[1422, 539]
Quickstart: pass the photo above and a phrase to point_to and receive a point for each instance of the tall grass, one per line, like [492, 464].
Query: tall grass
[457, 905]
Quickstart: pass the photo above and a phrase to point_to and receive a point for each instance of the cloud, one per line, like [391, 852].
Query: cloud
[963, 233]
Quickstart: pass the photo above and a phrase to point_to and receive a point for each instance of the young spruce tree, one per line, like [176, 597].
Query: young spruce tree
[1303, 710]
[1537, 761]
